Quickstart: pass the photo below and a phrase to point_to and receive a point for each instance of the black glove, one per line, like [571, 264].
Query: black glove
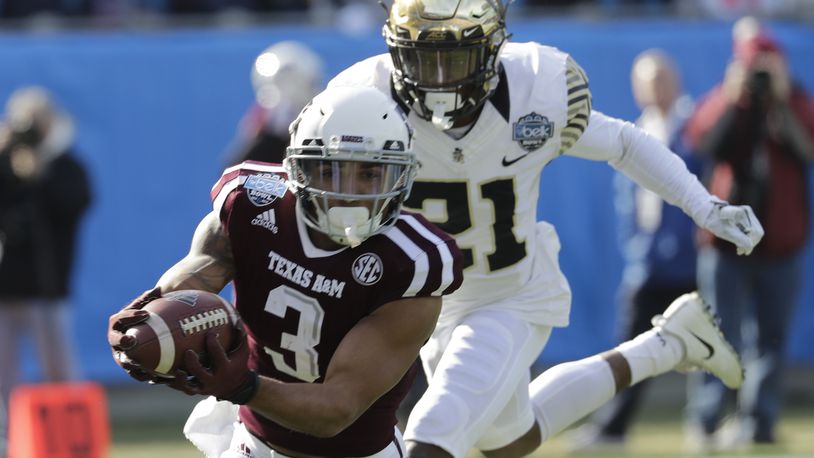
[229, 377]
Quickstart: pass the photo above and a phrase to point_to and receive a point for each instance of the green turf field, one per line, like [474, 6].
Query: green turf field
[147, 423]
[656, 434]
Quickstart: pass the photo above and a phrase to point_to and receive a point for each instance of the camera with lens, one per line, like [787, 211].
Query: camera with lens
[30, 136]
[760, 84]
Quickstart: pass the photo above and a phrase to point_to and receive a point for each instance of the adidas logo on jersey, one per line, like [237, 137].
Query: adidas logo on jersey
[267, 219]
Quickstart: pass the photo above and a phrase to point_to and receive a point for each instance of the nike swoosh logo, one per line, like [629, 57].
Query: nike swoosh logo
[468, 33]
[507, 162]
[705, 344]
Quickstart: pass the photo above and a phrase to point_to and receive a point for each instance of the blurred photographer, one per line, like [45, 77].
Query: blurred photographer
[44, 191]
[756, 129]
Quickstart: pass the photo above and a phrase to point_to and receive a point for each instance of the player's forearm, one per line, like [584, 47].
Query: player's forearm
[645, 160]
[312, 408]
[652, 165]
[208, 266]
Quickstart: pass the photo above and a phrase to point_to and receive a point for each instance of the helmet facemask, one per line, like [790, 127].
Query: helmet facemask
[349, 195]
[445, 62]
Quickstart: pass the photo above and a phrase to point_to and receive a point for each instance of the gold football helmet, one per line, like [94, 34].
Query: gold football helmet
[445, 54]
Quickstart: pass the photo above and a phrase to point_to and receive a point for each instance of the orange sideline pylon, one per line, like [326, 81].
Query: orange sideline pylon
[58, 420]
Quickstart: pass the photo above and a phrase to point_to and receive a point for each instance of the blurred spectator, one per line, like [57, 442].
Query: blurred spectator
[359, 17]
[757, 130]
[44, 192]
[604, 5]
[211, 6]
[657, 240]
[285, 77]
[283, 5]
[24, 8]
[729, 9]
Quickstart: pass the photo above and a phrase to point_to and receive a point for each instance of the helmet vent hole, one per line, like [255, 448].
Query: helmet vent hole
[385, 116]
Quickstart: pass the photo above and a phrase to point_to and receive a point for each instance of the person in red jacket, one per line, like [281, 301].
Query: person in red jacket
[756, 129]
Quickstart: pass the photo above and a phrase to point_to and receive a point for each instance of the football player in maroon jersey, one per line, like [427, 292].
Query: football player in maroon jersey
[337, 288]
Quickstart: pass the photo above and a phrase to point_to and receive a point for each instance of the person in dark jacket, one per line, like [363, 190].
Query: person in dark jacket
[44, 192]
[756, 129]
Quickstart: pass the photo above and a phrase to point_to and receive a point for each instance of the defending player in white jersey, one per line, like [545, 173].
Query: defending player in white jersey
[488, 116]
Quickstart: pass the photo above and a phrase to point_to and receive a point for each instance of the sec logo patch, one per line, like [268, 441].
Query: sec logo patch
[367, 269]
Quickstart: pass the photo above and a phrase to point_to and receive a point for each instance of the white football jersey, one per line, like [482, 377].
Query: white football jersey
[483, 188]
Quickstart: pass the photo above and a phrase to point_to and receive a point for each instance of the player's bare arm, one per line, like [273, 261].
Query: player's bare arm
[371, 359]
[209, 264]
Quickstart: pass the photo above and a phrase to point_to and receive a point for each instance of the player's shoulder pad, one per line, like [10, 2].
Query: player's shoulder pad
[239, 175]
[538, 58]
[373, 72]
[437, 262]
[543, 75]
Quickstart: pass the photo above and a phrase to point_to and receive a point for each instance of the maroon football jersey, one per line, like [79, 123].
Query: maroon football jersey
[298, 301]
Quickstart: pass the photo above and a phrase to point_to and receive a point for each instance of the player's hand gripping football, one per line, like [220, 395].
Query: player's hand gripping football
[735, 223]
[228, 378]
[118, 324]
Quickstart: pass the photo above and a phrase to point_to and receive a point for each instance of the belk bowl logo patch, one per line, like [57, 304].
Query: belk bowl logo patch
[264, 189]
[532, 131]
[367, 269]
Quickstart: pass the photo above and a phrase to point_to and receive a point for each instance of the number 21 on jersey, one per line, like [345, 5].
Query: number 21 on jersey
[507, 250]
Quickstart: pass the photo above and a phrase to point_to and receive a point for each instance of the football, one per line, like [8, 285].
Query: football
[179, 321]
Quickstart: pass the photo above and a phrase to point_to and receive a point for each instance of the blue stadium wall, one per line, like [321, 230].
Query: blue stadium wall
[157, 110]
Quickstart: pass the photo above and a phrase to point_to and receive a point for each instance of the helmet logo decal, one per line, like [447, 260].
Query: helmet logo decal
[367, 269]
[264, 189]
[394, 145]
[469, 32]
[438, 35]
[532, 131]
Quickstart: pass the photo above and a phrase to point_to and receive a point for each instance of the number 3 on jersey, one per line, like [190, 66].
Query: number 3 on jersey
[309, 327]
[507, 250]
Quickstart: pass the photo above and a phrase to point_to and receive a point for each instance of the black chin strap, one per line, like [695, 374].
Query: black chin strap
[500, 97]
[395, 95]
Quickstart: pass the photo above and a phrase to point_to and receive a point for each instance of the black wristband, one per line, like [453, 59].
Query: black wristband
[245, 393]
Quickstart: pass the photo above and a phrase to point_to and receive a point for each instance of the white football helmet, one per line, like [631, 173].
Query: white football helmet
[350, 163]
[286, 76]
[445, 54]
